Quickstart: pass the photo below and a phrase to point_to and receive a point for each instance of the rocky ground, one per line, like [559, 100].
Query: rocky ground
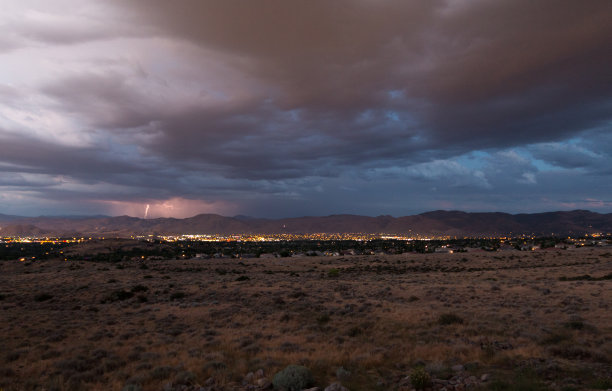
[490, 320]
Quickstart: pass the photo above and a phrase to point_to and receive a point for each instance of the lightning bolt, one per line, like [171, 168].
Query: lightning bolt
[147, 211]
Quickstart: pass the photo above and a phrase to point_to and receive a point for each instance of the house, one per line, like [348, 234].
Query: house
[529, 247]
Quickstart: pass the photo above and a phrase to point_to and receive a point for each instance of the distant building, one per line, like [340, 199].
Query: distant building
[529, 247]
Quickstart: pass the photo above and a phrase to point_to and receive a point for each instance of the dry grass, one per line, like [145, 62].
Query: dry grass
[376, 317]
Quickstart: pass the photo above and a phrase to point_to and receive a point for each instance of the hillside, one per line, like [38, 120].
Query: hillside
[451, 223]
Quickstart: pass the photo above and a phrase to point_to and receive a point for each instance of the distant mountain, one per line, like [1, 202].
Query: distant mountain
[5, 218]
[448, 223]
[21, 230]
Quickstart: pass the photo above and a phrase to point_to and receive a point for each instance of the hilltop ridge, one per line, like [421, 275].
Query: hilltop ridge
[439, 222]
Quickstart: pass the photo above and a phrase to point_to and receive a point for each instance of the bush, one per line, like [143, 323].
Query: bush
[293, 378]
[354, 331]
[574, 325]
[43, 297]
[602, 383]
[342, 374]
[333, 273]
[521, 381]
[160, 373]
[185, 378]
[177, 295]
[419, 378]
[555, 338]
[243, 278]
[215, 365]
[446, 319]
[117, 296]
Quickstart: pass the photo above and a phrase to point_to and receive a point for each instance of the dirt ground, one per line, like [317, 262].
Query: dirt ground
[366, 321]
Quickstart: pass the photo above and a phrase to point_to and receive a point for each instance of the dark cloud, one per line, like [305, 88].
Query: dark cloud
[36, 23]
[105, 100]
[286, 103]
[566, 155]
[27, 154]
[473, 75]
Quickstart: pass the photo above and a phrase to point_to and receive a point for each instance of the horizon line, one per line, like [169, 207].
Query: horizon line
[84, 216]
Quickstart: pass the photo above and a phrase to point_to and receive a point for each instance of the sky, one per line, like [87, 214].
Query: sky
[283, 108]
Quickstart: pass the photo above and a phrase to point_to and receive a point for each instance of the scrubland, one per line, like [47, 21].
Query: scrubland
[525, 320]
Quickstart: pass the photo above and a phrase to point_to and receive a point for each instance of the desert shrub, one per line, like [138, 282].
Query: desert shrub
[354, 331]
[177, 295]
[43, 297]
[343, 374]
[117, 296]
[161, 373]
[139, 288]
[293, 378]
[586, 277]
[450, 318]
[333, 273]
[6, 372]
[556, 338]
[419, 378]
[572, 352]
[111, 364]
[77, 364]
[323, 319]
[185, 378]
[602, 383]
[297, 294]
[56, 337]
[574, 325]
[439, 370]
[76, 379]
[13, 356]
[289, 347]
[521, 381]
[413, 299]
[243, 278]
[50, 354]
[215, 365]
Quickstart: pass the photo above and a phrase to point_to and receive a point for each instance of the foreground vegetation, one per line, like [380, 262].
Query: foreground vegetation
[491, 321]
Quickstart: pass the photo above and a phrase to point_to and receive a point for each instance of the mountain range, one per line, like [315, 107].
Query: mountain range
[436, 223]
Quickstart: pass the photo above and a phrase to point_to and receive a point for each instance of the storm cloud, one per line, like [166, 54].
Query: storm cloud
[288, 108]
